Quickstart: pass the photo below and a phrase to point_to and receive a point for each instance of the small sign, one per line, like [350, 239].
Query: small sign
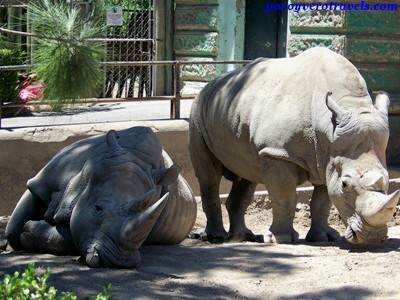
[114, 16]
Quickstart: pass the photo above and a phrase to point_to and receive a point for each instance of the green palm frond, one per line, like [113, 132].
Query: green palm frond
[67, 60]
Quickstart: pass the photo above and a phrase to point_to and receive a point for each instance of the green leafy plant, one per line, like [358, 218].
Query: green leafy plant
[9, 79]
[66, 56]
[29, 286]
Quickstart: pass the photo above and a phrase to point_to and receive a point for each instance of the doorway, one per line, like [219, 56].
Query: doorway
[265, 32]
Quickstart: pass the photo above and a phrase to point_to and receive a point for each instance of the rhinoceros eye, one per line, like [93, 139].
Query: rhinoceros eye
[102, 205]
[346, 182]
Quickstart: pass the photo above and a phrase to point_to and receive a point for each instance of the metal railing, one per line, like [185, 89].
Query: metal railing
[175, 106]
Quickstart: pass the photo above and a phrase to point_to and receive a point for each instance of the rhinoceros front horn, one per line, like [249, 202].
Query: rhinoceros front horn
[378, 208]
[138, 227]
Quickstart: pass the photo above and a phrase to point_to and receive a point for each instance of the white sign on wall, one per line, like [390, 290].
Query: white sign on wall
[114, 16]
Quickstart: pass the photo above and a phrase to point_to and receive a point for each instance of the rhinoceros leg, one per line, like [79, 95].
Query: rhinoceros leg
[208, 170]
[281, 179]
[320, 207]
[29, 207]
[238, 200]
[42, 236]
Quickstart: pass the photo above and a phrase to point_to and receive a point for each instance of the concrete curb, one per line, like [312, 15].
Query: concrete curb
[61, 133]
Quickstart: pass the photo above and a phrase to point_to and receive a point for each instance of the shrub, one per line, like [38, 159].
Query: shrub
[29, 286]
[9, 79]
[66, 58]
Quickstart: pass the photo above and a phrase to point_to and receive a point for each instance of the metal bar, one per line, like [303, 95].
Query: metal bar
[139, 63]
[172, 62]
[13, 5]
[16, 68]
[16, 32]
[99, 100]
[176, 102]
[119, 40]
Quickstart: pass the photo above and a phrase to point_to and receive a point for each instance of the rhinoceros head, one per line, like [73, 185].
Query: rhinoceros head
[118, 207]
[357, 177]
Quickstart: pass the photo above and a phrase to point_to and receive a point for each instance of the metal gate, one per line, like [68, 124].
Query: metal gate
[131, 40]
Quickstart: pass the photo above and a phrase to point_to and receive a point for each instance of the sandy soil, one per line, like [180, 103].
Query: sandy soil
[196, 269]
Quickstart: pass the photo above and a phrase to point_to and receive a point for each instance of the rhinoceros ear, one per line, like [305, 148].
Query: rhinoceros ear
[382, 102]
[114, 149]
[165, 177]
[339, 115]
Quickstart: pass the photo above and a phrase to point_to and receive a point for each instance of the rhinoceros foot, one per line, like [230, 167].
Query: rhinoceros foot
[322, 234]
[246, 235]
[281, 236]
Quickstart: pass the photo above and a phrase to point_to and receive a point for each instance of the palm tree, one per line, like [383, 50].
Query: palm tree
[67, 58]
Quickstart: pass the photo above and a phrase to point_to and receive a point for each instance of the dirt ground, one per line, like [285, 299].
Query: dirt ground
[196, 269]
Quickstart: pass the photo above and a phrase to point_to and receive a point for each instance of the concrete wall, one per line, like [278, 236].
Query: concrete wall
[23, 152]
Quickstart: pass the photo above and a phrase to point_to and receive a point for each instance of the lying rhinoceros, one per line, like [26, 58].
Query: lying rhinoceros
[282, 122]
[104, 197]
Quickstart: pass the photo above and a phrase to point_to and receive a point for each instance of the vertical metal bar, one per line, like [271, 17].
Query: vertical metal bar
[176, 109]
[1, 110]
[159, 40]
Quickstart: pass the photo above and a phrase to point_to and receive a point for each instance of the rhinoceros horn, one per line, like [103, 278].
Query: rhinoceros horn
[138, 227]
[339, 114]
[114, 149]
[377, 208]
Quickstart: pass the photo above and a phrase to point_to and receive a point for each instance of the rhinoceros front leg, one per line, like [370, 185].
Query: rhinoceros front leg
[29, 207]
[281, 180]
[320, 207]
[238, 200]
[42, 236]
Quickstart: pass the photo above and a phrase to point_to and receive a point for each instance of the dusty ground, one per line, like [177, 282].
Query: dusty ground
[199, 270]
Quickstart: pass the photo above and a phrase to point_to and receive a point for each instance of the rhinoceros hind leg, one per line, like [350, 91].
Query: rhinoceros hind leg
[29, 207]
[208, 170]
[320, 207]
[42, 236]
[238, 200]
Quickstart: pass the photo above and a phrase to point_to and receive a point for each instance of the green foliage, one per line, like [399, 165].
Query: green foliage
[67, 61]
[9, 79]
[27, 286]
[5, 42]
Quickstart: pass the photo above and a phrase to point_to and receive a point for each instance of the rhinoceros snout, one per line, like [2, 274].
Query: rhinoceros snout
[101, 258]
[94, 260]
[360, 232]
[373, 210]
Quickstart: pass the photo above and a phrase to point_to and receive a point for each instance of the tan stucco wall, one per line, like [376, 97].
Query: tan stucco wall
[23, 152]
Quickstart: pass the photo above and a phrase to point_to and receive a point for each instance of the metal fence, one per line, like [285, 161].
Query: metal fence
[131, 40]
[175, 99]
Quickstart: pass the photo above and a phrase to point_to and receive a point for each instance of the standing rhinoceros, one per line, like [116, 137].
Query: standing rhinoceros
[104, 197]
[282, 122]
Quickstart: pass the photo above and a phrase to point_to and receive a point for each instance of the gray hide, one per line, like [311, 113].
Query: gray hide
[103, 197]
[282, 122]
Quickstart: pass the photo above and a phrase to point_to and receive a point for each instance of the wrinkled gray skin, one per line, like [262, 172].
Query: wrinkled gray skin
[282, 122]
[103, 197]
